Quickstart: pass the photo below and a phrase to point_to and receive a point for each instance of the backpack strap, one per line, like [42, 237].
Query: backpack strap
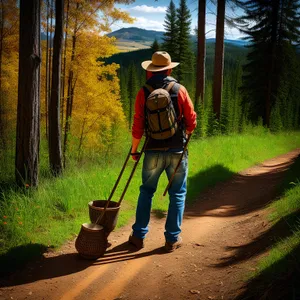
[149, 88]
[174, 96]
[169, 86]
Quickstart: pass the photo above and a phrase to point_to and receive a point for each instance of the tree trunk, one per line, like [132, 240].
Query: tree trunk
[55, 155]
[64, 66]
[200, 80]
[70, 94]
[272, 59]
[81, 138]
[50, 54]
[47, 71]
[28, 116]
[219, 60]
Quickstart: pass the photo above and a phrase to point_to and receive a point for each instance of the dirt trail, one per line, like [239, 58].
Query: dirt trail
[224, 234]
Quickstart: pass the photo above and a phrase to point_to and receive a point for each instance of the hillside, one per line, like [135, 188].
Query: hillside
[134, 38]
[137, 35]
[234, 54]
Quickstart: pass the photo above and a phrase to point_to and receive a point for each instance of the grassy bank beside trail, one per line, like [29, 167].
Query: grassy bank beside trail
[277, 275]
[35, 220]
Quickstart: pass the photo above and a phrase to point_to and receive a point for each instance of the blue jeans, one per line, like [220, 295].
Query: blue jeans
[154, 164]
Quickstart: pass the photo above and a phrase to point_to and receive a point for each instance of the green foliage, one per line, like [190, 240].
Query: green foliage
[272, 27]
[184, 52]
[231, 113]
[132, 89]
[205, 118]
[124, 92]
[155, 46]
[275, 121]
[289, 88]
[171, 33]
[234, 56]
[127, 58]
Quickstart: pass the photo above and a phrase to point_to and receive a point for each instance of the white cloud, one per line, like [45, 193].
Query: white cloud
[140, 22]
[144, 23]
[149, 9]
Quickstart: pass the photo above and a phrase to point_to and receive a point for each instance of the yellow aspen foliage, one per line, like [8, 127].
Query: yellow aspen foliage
[9, 78]
[97, 105]
[9, 64]
[43, 82]
[95, 92]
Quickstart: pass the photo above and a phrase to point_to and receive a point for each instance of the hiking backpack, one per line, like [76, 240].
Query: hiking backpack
[161, 119]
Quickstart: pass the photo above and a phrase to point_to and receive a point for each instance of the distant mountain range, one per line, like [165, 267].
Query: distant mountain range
[239, 43]
[134, 34]
[137, 35]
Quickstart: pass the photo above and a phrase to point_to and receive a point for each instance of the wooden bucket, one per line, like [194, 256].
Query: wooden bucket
[91, 242]
[110, 217]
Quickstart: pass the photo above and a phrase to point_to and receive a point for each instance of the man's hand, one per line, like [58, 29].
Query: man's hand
[188, 132]
[135, 144]
[135, 155]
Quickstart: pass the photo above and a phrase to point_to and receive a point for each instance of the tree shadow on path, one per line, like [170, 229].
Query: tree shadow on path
[244, 193]
[279, 231]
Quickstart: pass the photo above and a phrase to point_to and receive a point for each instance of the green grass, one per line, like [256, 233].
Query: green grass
[288, 209]
[288, 205]
[280, 268]
[54, 212]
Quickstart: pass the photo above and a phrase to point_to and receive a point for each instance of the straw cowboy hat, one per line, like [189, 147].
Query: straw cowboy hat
[161, 61]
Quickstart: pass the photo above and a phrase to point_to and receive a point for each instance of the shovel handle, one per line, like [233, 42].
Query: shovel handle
[132, 172]
[121, 173]
[114, 188]
[180, 159]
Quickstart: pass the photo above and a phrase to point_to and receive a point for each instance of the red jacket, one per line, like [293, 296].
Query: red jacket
[185, 105]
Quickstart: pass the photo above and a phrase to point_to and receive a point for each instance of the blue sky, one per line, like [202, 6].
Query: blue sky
[151, 14]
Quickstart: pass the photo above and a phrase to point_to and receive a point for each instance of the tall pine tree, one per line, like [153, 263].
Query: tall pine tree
[55, 153]
[28, 119]
[171, 33]
[184, 53]
[201, 52]
[272, 28]
[219, 59]
[155, 46]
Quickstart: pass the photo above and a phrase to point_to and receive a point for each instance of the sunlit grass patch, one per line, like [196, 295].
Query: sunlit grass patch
[283, 250]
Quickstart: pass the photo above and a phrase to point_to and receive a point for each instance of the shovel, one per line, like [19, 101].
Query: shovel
[91, 242]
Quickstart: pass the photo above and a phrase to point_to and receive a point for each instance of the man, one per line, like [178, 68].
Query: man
[162, 155]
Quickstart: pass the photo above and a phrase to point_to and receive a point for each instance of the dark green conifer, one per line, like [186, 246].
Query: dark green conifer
[273, 30]
[131, 91]
[184, 52]
[124, 91]
[171, 32]
[155, 46]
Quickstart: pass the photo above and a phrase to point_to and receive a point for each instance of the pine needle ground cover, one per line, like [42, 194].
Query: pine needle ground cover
[34, 220]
